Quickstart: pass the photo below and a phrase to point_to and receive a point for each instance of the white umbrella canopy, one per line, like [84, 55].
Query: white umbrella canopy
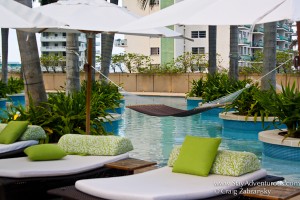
[16, 15]
[91, 17]
[220, 12]
[96, 16]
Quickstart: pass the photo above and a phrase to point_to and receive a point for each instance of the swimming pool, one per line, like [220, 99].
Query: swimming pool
[153, 138]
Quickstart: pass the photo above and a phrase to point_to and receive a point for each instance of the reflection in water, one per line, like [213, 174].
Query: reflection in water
[154, 137]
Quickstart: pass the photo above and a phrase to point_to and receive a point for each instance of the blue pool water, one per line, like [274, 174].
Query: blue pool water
[154, 137]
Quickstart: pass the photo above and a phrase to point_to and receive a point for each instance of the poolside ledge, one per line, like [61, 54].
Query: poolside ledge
[272, 137]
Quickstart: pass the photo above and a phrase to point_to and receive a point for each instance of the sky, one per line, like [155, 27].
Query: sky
[13, 47]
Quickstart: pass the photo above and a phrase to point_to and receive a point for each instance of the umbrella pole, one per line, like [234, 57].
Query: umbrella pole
[89, 82]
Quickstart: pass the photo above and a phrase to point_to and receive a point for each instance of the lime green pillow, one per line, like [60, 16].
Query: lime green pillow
[197, 155]
[13, 131]
[44, 152]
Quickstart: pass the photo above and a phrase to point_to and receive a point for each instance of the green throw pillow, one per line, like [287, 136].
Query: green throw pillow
[33, 132]
[13, 131]
[235, 163]
[44, 152]
[197, 155]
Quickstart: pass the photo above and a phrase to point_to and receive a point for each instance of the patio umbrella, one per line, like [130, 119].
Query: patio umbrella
[220, 12]
[16, 15]
[92, 17]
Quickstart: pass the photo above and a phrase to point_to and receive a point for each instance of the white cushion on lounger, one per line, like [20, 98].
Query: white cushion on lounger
[17, 145]
[162, 184]
[72, 164]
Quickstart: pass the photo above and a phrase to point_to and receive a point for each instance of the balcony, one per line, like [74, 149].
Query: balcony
[53, 38]
[243, 41]
[53, 48]
[120, 43]
[258, 44]
[258, 30]
[244, 27]
[245, 57]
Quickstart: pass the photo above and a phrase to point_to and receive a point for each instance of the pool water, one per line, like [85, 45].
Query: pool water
[153, 138]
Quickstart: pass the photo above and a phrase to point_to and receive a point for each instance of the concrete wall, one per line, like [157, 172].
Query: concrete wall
[174, 83]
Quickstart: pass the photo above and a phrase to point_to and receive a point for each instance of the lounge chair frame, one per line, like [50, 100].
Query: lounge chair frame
[13, 154]
[71, 193]
[36, 188]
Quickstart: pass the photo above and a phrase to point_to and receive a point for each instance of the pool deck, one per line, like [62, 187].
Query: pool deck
[162, 94]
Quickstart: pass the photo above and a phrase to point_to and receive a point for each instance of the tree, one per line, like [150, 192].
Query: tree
[269, 56]
[234, 54]
[4, 35]
[72, 64]
[212, 43]
[32, 73]
[107, 42]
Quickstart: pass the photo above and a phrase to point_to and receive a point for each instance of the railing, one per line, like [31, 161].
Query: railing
[53, 48]
[53, 38]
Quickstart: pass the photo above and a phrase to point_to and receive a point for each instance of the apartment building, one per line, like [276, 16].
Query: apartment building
[55, 44]
[166, 49]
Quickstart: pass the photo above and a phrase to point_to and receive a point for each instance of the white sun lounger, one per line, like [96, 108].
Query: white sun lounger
[16, 148]
[163, 184]
[32, 179]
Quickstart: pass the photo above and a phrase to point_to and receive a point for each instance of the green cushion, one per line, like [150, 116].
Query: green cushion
[33, 132]
[13, 131]
[235, 163]
[95, 144]
[197, 155]
[44, 152]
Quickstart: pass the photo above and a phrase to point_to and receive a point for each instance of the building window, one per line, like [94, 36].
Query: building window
[198, 34]
[154, 51]
[64, 53]
[198, 50]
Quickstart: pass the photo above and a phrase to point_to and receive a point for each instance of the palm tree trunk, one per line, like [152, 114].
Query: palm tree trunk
[212, 43]
[4, 35]
[72, 62]
[32, 73]
[234, 54]
[269, 56]
[107, 43]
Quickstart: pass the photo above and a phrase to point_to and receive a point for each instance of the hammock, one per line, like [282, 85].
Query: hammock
[161, 110]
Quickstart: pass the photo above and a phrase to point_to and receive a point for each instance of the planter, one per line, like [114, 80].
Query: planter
[213, 112]
[111, 123]
[17, 99]
[193, 102]
[239, 127]
[275, 146]
[119, 110]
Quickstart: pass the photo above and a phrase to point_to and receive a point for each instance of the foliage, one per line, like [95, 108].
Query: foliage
[53, 62]
[285, 106]
[3, 89]
[15, 85]
[246, 103]
[192, 62]
[107, 93]
[64, 114]
[219, 85]
[197, 88]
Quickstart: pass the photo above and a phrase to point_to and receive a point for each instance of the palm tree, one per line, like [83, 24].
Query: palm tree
[212, 44]
[234, 54]
[269, 56]
[32, 73]
[72, 64]
[144, 3]
[4, 35]
[107, 42]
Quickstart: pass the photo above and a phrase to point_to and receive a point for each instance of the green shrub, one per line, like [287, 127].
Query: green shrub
[197, 88]
[15, 85]
[3, 90]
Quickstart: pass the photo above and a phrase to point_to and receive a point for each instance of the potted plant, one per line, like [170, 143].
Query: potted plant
[243, 115]
[285, 106]
[15, 91]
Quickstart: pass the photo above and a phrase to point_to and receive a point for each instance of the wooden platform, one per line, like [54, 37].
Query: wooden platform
[272, 192]
[131, 165]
